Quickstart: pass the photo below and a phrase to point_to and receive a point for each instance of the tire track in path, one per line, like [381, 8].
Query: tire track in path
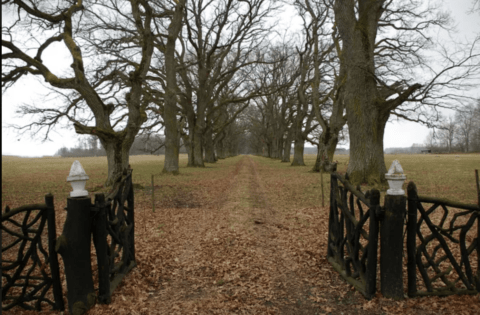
[254, 214]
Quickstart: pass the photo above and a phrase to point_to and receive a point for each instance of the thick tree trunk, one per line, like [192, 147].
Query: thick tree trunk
[170, 109]
[365, 121]
[325, 151]
[198, 148]
[117, 158]
[209, 148]
[298, 151]
[274, 153]
[287, 148]
[190, 144]
[367, 162]
[220, 150]
[269, 150]
[220, 146]
[279, 153]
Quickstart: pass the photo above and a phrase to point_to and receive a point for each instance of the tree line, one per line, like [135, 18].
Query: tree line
[90, 146]
[212, 75]
[457, 133]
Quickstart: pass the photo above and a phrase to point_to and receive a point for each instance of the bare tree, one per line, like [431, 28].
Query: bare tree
[172, 139]
[476, 128]
[382, 43]
[222, 37]
[303, 123]
[328, 77]
[276, 108]
[111, 43]
[447, 133]
[465, 121]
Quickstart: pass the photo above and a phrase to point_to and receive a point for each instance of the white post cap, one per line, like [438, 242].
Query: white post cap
[395, 178]
[77, 178]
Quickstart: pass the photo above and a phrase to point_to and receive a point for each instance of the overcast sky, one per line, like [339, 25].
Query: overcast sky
[28, 91]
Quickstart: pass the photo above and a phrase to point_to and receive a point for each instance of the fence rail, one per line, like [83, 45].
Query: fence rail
[35, 270]
[352, 243]
[440, 246]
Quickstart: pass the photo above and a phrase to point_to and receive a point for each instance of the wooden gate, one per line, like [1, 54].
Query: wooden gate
[113, 235]
[441, 242]
[353, 234]
[30, 273]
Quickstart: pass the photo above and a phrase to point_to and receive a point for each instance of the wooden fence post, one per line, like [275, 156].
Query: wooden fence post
[74, 246]
[391, 247]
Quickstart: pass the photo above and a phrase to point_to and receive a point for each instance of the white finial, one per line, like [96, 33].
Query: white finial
[395, 168]
[395, 178]
[77, 179]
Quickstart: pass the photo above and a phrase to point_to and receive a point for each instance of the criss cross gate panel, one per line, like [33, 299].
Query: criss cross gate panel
[353, 234]
[441, 242]
[30, 273]
[113, 235]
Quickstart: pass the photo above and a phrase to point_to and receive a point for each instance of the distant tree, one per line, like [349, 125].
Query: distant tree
[431, 141]
[446, 133]
[465, 121]
[272, 117]
[222, 39]
[148, 144]
[475, 142]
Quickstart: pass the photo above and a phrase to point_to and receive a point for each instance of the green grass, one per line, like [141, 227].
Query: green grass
[444, 176]
[26, 180]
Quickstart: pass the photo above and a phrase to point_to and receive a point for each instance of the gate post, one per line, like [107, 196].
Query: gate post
[391, 235]
[391, 244]
[74, 244]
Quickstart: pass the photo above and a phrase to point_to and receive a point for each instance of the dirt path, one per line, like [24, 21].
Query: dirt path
[237, 256]
[250, 211]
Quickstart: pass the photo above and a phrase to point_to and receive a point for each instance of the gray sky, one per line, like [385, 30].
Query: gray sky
[29, 90]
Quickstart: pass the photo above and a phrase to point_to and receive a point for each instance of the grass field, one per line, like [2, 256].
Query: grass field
[246, 235]
[25, 180]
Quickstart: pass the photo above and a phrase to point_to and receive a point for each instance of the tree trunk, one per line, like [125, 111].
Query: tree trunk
[190, 143]
[220, 150]
[326, 149]
[209, 148]
[279, 153]
[170, 109]
[287, 149]
[220, 146]
[367, 163]
[298, 151]
[365, 121]
[198, 148]
[117, 158]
